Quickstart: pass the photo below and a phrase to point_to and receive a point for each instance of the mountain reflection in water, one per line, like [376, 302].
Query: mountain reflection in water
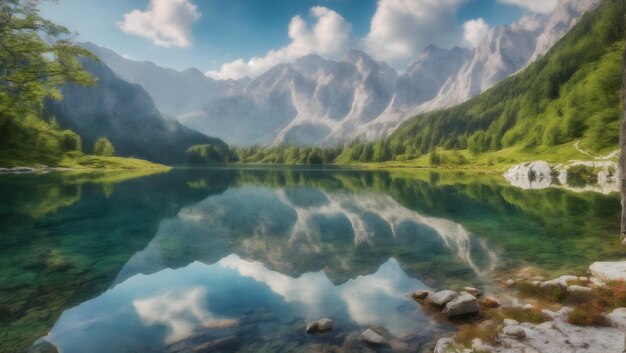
[241, 298]
[239, 259]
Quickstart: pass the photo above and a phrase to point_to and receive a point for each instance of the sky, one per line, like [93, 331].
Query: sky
[238, 38]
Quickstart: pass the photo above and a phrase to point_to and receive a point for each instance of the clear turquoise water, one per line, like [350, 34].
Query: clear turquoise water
[239, 259]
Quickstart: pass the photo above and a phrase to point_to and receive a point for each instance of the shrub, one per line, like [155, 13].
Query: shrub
[581, 175]
[104, 148]
[588, 314]
[434, 158]
[534, 316]
[70, 141]
[487, 332]
[552, 294]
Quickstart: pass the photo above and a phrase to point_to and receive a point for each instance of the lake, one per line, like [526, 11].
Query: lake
[229, 259]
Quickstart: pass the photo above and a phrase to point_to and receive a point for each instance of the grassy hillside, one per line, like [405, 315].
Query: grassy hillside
[572, 93]
[33, 142]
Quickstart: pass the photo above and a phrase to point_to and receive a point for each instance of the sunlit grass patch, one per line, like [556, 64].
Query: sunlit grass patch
[588, 314]
[518, 314]
[487, 332]
[552, 294]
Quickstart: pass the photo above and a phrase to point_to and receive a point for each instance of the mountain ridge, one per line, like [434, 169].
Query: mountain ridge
[315, 101]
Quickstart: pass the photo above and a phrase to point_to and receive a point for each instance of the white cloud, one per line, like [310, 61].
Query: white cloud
[400, 29]
[539, 6]
[165, 22]
[474, 31]
[180, 311]
[328, 37]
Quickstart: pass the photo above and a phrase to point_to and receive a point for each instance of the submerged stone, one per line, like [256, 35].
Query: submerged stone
[324, 325]
[372, 337]
[311, 327]
[320, 325]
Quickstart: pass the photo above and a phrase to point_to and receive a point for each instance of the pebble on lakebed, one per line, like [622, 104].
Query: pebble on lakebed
[372, 337]
[321, 325]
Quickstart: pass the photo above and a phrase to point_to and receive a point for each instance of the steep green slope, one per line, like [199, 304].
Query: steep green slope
[572, 93]
[125, 114]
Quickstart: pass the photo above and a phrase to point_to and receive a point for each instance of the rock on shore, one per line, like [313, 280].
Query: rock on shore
[442, 297]
[609, 271]
[464, 303]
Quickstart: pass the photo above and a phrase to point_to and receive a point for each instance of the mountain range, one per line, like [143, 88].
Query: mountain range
[125, 114]
[315, 101]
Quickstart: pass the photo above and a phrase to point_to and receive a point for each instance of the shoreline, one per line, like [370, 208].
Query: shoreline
[46, 169]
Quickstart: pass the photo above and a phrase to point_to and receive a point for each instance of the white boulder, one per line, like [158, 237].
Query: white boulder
[609, 271]
[530, 175]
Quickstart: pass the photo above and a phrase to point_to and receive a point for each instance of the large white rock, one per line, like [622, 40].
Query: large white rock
[609, 271]
[577, 288]
[558, 336]
[530, 175]
[465, 303]
[618, 317]
[510, 322]
[514, 331]
[443, 345]
[561, 281]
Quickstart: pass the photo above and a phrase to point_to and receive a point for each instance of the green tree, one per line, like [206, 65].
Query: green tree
[434, 158]
[478, 142]
[381, 153]
[104, 148]
[32, 68]
[314, 157]
[366, 153]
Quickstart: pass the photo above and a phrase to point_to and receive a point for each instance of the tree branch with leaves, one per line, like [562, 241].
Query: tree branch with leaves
[36, 57]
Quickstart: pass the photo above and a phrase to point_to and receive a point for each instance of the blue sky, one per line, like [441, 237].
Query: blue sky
[222, 36]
